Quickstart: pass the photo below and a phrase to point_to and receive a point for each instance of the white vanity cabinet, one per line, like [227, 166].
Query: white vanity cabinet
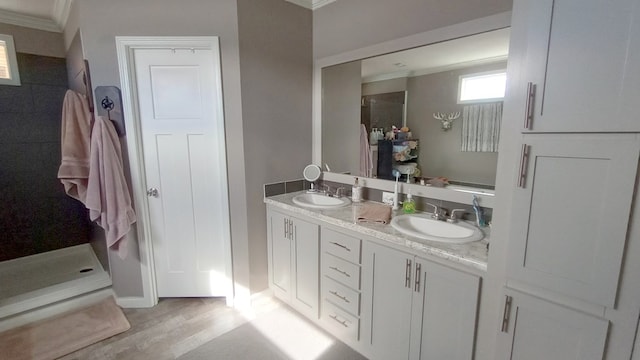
[414, 308]
[534, 329]
[579, 68]
[293, 250]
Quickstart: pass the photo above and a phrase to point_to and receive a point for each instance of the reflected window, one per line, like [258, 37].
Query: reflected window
[482, 87]
[8, 64]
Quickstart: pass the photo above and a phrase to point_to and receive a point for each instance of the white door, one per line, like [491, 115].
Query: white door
[180, 106]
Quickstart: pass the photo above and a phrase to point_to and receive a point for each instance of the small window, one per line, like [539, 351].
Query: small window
[482, 87]
[8, 64]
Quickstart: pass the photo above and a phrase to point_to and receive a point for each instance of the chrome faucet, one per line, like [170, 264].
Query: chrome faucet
[339, 191]
[438, 212]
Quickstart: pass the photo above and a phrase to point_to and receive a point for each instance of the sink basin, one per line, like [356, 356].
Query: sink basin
[423, 226]
[320, 201]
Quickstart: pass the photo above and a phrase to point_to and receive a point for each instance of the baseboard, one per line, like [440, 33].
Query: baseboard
[54, 309]
[134, 302]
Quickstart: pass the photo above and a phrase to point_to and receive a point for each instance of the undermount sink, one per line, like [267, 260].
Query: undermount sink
[423, 226]
[320, 201]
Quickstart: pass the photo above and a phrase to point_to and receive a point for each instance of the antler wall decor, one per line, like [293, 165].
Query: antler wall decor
[446, 119]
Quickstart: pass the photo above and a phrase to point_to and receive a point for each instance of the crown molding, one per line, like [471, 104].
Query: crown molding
[14, 18]
[59, 17]
[61, 10]
[311, 4]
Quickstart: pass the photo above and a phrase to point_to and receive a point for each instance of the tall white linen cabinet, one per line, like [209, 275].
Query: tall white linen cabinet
[572, 288]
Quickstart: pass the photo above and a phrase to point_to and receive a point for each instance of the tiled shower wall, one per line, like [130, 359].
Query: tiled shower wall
[35, 213]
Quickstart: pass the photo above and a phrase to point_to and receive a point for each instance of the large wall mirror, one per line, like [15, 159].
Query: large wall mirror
[417, 88]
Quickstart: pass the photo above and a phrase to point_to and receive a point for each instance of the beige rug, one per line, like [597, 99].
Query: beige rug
[64, 334]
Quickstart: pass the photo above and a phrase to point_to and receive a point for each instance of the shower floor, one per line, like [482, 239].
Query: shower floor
[38, 280]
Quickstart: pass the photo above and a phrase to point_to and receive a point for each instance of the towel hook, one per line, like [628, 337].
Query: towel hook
[108, 105]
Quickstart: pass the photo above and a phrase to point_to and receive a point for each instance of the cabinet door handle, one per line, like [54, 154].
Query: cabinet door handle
[340, 245]
[341, 297]
[286, 229]
[407, 274]
[531, 95]
[524, 161]
[341, 322]
[506, 313]
[340, 271]
[417, 283]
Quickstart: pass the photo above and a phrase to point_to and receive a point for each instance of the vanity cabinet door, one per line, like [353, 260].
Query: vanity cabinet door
[582, 58]
[305, 268]
[570, 213]
[445, 303]
[386, 301]
[534, 329]
[279, 252]
[293, 251]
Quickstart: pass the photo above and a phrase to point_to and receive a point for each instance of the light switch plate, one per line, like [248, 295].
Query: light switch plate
[387, 198]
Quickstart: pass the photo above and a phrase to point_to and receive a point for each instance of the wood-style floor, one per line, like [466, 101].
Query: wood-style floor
[166, 331]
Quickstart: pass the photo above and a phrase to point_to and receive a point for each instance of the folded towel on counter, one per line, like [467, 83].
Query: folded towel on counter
[374, 213]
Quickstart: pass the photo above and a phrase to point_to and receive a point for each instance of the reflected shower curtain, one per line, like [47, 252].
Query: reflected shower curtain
[481, 127]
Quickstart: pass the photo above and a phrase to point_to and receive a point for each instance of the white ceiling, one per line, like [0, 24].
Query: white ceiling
[48, 15]
[472, 50]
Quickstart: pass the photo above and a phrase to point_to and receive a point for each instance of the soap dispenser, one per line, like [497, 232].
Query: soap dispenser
[409, 205]
[356, 192]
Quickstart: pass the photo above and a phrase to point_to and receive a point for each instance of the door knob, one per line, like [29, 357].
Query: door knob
[152, 192]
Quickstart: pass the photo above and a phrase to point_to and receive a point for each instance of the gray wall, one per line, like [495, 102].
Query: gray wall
[352, 24]
[99, 23]
[37, 42]
[36, 215]
[440, 153]
[276, 67]
[341, 91]
[386, 86]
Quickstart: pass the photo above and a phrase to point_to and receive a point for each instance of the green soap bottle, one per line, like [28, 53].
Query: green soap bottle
[409, 205]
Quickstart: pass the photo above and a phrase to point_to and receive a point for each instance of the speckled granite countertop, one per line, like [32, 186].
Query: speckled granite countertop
[472, 254]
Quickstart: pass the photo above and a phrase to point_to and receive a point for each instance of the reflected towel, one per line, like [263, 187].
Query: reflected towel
[374, 213]
[366, 162]
[108, 198]
[76, 135]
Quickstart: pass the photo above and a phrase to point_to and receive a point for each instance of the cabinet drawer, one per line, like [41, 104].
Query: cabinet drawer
[342, 324]
[341, 245]
[341, 270]
[341, 295]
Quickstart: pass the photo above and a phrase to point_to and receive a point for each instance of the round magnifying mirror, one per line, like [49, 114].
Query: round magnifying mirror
[312, 173]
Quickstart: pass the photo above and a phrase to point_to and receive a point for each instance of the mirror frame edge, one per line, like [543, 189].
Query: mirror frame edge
[480, 25]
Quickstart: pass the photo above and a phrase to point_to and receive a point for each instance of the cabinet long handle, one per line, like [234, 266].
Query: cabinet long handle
[341, 322]
[340, 245]
[286, 229]
[407, 274]
[291, 229]
[506, 313]
[341, 297]
[340, 271]
[417, 282]
[531, 95]
[524, 160]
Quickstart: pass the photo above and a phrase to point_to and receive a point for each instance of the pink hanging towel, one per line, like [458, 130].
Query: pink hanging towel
[108, 198]
[76, 133]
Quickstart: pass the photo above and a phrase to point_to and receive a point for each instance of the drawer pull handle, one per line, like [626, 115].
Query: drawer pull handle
[343, 298]
[340, 245]
[340, 271]
[341, 322]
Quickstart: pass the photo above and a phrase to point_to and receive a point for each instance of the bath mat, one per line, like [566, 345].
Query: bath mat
[54, 337]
